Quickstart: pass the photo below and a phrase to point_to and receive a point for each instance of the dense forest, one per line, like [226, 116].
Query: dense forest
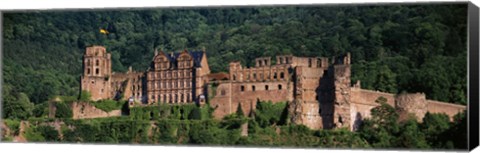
[394, 48]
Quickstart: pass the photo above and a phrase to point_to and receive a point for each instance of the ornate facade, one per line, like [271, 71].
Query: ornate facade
[171, 78]
[319, 92]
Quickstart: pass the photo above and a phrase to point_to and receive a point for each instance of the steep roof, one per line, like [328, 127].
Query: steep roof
[196, 55]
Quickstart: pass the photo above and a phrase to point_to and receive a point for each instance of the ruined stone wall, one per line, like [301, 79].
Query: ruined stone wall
[230, 94]
[441, 107]
[362, 101]
[411, 104]
[306, 113]
[305, 109]
[99, 87]
[82, 110]
[342, 115]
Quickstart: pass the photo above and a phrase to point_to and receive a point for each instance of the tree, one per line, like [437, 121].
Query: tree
[240, 111]
[17, 108]
[382, 128]
[85, 96]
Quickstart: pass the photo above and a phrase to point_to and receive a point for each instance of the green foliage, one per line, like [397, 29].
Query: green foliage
[63, 110]
[413, 48]
[85, 96]
[40, 110]
[33, 135]
[13, 125]
[239, 110]
[18, 107]
[48, 132]
[108, 105]
[267, 113]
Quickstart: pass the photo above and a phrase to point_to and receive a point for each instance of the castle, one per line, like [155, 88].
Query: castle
[171, 78]
[318, 91]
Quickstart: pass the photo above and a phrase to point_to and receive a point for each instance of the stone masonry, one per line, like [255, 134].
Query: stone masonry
[319, 92]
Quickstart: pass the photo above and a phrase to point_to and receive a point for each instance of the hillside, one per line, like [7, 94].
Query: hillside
[395, 48]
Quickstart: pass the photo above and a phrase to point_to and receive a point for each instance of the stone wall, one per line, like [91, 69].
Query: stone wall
[411, 104]
[341, 116]
[441, 107]
[230, 94]
[82, 110]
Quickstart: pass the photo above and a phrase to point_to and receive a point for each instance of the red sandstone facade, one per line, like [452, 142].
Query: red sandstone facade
[318, 91]
[176, 78]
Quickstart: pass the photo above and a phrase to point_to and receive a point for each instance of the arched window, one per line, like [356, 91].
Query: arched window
[181, 98]
[279, 87]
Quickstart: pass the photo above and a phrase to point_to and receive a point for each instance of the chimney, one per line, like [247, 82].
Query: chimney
[156, 51]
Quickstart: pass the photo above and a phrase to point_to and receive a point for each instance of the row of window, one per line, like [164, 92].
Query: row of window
[167, 85]
[97, 62]
[170, 74]
[172, 98]
[165, 65]
[97, 71]
[254, 76]
[267, 87]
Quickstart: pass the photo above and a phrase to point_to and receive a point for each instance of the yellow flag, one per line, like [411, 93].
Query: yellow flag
[103, 31]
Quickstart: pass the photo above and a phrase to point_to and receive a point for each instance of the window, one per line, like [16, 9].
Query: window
[266, 87]
[309, 62]
[88, 71]
[281, 75]
[234, 77]
[97, 71]
[88, 62]
[254, 76]
[242, 88]
[265, 62]
[98, 62]
[287, 61]
[275, 75]
[279, 87]
[253, 88]
[181, 97]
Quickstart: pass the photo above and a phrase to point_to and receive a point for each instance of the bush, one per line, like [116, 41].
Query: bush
[85, 96]
[63, 110]
[108, 105]
[14, 125]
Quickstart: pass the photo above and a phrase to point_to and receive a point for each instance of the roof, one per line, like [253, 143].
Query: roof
[196, 55]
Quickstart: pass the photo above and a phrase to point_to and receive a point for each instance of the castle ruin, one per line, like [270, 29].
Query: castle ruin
[318, 91]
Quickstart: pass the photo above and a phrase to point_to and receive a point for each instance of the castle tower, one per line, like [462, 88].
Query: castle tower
[97, 69]
[341, 99]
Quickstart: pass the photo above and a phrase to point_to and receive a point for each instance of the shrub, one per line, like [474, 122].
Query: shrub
[109, 105]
